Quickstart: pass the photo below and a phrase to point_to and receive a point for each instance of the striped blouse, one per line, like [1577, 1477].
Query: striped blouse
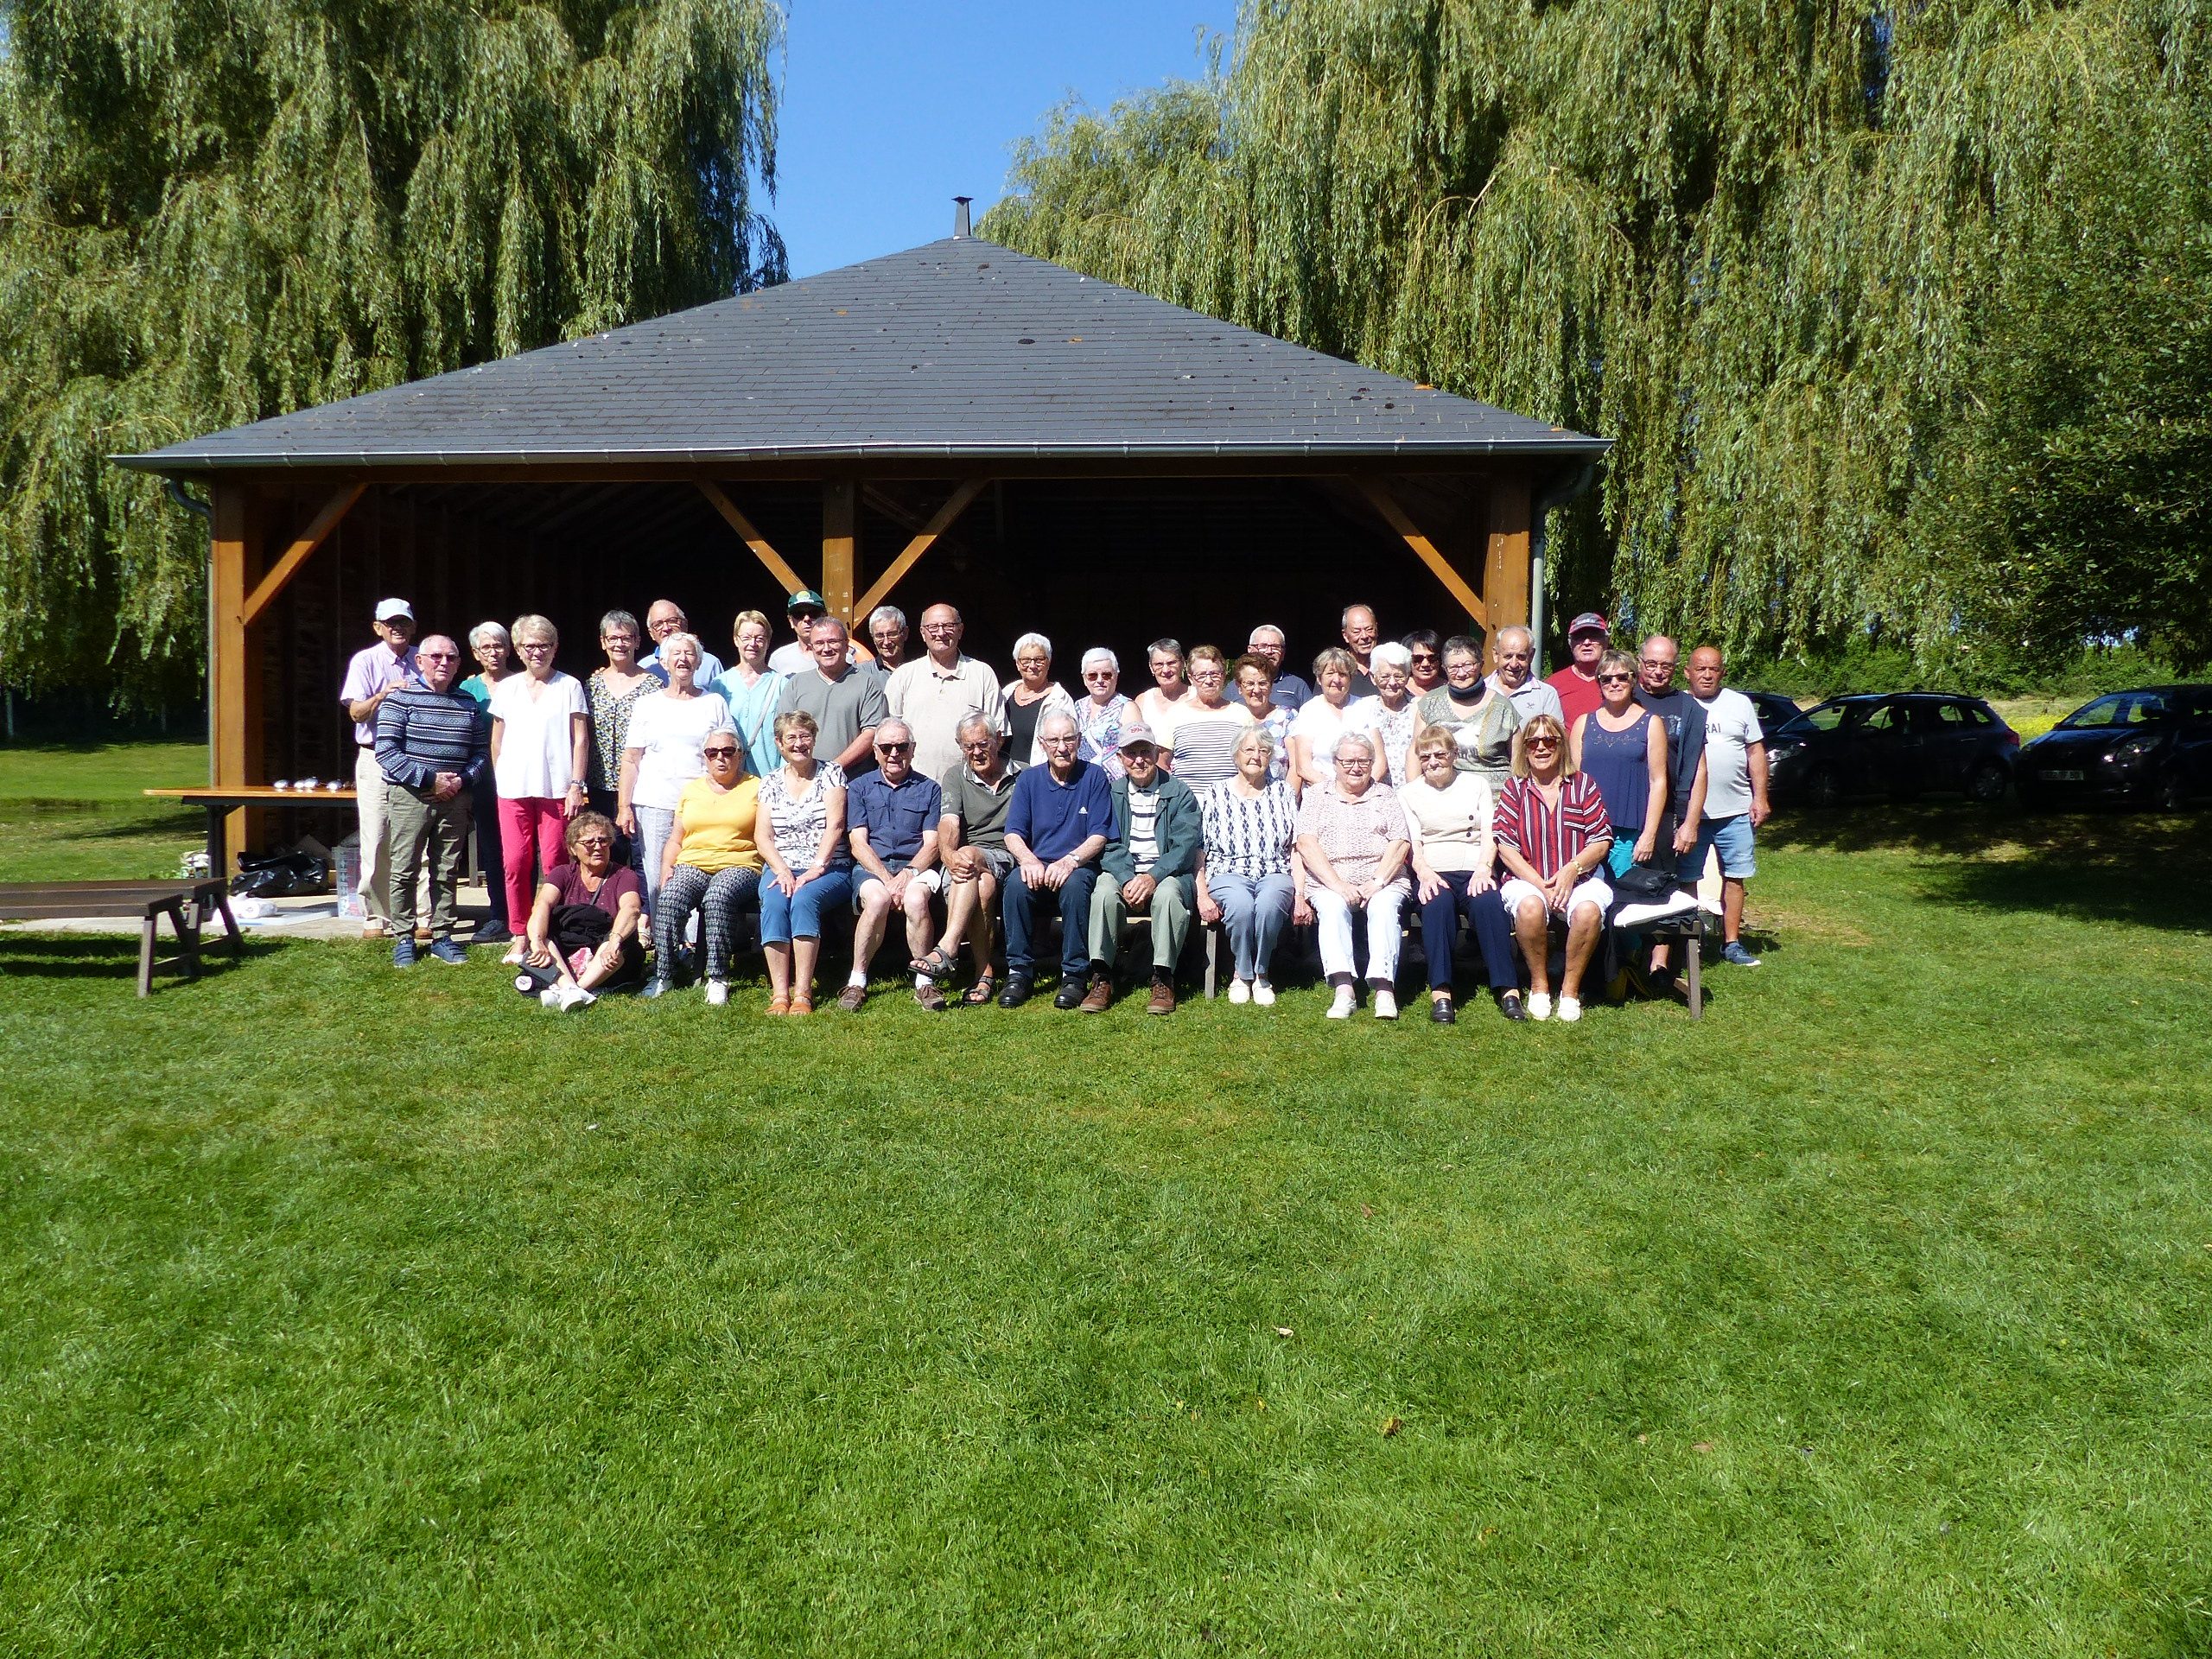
[1547, 837]
[1248, 836]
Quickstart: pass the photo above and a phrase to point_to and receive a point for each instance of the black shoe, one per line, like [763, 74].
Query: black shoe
[1441, 1013]
[1018, 987]
[1508, 1004]
[1072, 993]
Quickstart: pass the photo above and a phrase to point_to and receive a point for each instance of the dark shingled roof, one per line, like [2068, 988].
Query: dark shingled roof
[957, 349]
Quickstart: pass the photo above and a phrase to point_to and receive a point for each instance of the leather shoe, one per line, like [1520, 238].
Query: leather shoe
[1019, 988]
[1508, 1004]
[1100, 996]
[1441, 1013]
[1163, 998]
[1071, 995]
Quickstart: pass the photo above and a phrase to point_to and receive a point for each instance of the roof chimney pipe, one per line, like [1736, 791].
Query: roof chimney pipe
[960, 216]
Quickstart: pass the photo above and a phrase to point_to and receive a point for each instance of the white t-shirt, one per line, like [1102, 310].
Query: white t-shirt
[536, 741]
[1323, 726]
[668, 734]
[1732, 726]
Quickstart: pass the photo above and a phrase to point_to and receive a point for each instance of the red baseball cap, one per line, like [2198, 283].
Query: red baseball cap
[1589, 622]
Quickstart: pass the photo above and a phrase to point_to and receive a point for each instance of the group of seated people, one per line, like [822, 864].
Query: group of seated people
[878, 786]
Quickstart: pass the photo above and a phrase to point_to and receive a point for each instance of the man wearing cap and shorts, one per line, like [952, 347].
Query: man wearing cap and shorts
[892, 812]
[804, 609]
[370, 676]
[1735, 795]
[1587, 636]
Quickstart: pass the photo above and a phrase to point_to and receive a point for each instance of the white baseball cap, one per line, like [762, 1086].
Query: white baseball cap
[390, 609]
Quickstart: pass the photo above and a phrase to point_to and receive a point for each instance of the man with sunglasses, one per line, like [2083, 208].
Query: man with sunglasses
[891, 817]
[796, 656]
[1587, 636]
[1057, 825]
[433, 742]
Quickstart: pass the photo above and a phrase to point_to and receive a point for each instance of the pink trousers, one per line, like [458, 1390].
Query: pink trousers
[531, 825]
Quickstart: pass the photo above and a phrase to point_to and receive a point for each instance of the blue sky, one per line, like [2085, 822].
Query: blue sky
[891, 110]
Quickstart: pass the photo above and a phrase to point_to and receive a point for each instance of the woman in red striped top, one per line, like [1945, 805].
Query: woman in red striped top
[1553, 834]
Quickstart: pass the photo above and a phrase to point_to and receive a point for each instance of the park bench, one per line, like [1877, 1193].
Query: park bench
[187, 903]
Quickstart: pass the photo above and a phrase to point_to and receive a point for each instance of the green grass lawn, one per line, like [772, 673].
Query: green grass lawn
[77, 813]
[342, 1311]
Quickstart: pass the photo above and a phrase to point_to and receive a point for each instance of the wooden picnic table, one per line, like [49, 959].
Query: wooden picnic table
[47, 901]
[221, 803]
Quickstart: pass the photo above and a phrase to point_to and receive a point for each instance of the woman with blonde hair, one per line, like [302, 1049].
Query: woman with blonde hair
[1553, 836]
[541, 755]
[751, 689]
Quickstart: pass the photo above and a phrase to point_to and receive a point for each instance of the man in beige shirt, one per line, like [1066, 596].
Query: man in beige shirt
[938, 689]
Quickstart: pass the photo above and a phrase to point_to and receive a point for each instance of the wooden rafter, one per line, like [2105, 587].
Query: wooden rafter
[1394, 515]
[777, 565]
[340, 503]
[925, 538]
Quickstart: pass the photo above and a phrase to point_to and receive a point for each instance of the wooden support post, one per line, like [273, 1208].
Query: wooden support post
[840, 545]
[777, 565]
[940, 521]
[1505, 564]
[234, 676]
[340, 503]
[1386, 503]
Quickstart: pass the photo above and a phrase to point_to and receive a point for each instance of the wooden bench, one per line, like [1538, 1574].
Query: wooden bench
[187, 903]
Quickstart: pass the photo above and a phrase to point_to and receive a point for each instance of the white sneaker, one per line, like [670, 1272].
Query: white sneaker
[1386, 1004]
[717, 993]
[550, 996]
[1342, 1007]
[1263, 995]
[1570, 1009]
[1239, 991]
[1539, 1005]
[574, 997]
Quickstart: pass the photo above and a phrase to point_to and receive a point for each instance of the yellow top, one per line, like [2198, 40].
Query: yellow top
[718, 825]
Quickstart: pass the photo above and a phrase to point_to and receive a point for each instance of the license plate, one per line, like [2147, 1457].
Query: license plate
[2059, 777]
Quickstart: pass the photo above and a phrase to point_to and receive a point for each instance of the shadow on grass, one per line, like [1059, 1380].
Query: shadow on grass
[113, 955]
[2150, 869]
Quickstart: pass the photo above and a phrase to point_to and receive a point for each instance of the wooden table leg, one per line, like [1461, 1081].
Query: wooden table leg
[146, 950]
[1697, 984]
[218, 850]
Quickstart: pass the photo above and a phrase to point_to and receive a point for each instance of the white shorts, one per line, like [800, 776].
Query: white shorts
[1513, 890]
[931, 880]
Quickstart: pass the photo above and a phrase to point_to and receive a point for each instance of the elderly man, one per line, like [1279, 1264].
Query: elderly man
[937, 692]
[1735, 795]
[664, 620]
[1292, 691]
[1353, 841]
[433, 743]
[846, 705]
[971, 843]
[1150, 867]
[1515, 677]
[1587, 636]
[1360, 635]
[887, 632]
[892, 816]
[372, 675]
[1057, 824]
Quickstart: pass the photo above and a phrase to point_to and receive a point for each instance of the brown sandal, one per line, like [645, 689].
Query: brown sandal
[779, 1005]
[802, 1003]
[981, 992]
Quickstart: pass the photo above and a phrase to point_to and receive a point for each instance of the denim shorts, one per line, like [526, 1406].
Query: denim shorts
[1731, 838]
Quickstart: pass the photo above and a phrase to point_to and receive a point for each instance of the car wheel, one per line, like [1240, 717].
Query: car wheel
[1985, 783]
[1824, 788]
[2173, 793]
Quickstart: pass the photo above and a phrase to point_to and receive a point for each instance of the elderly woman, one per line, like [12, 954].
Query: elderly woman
[810, 872]
[1249, 878]
[1623, 750]
[711, 862]
[493, 649]
[541, 753]
[584, 925]
[1256, 689]
[1480, 718]
[1552, 837]
[751, 689]
[1324, 719]
[664, 749]
[1030, 697]
[1201, 750]
[1159, 703]
[1388, 716]
[1102, 710]
[614, 689]
[1352, 840]
[1448, 817]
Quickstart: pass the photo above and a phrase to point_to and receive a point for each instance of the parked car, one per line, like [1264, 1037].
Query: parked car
[1901, 744]
[1775, 710]
[2151, 745]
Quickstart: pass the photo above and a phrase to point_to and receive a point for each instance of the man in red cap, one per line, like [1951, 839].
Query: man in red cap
[1587, 636]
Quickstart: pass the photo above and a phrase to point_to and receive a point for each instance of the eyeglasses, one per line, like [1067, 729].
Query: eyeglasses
[892, 748]
[1540, 743]
[595, 840]
[1355, 765]
[1615, 679]
[439, 656]
[535, 644]
[1424, 657]
[719, 754]
[807, 616]
[1067, 742]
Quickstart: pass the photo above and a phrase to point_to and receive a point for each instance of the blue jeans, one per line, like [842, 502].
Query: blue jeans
[1026, 909]
[1485, 914]
[1254, 910]
[800, 916]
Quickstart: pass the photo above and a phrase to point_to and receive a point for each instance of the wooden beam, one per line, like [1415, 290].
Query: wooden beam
[940, 521]
[840, 544]
[317, 531]
[233, 684]
[1384, 503]
[775, 563]
[1505, 564]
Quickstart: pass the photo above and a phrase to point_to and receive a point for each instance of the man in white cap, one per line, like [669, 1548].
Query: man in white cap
[1587, 636]
[370, 676]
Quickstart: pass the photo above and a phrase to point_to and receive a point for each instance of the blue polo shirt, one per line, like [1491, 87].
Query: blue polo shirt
[895, 817]
[1055, 818]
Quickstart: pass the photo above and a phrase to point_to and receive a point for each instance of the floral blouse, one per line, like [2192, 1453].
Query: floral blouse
[610, 724]
[798, 817]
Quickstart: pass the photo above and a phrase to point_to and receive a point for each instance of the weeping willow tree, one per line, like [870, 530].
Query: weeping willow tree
[213, 212]
[1898, 316]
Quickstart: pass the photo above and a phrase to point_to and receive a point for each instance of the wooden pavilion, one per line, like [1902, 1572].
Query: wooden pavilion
[957, 421]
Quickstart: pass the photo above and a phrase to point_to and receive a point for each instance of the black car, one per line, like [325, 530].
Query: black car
[2153, 744]
[1901, 744]
[1775, 710]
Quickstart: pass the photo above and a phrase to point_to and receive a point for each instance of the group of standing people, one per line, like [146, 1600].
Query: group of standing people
[667, 793]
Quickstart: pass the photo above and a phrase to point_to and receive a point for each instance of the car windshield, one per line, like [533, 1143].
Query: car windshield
[1825, 718]
[2122, 709]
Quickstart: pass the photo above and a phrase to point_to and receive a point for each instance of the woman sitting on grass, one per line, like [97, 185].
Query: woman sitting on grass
[584, 926]
[711, 862]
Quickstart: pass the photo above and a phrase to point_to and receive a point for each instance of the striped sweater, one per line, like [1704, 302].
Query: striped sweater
[420, 733]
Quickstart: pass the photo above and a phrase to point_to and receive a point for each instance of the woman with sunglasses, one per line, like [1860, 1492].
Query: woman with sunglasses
[711, 862]
[541, 754]
[1102, 710]
[584, 925]
[1424, 661]
[1552, 836]
[1624, 751]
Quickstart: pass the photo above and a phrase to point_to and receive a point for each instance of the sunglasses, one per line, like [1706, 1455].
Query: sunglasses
[1540, 743]
[892, 748]
[718, 754]
[1615, 679]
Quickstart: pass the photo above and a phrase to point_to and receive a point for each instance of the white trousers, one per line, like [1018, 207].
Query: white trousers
[375, 862]
[1333, 918]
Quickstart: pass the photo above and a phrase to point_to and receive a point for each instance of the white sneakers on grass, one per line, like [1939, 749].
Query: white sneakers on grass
[1539, 1005]
[1342, 1007]
[1386, 1004]
[566, 998]
[1239, 991]
[1570, 1009]
[1263, 995]
[717, 993]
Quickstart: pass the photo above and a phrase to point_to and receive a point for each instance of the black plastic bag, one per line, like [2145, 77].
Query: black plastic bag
[281, 875]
